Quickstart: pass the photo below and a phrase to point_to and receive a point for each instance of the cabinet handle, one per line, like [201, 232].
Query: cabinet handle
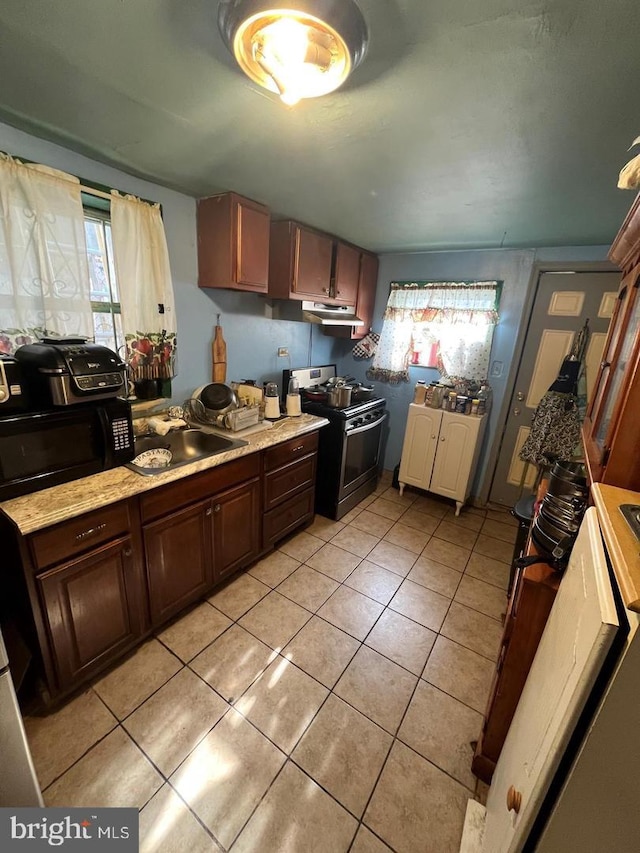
[514, 799]
[604, 365]
[209, 511]
[92, 531]
[434, 437]
[128, 552]
[217, 508]
[296, 449]
[325, 290]
[339, 293]
[441, 438]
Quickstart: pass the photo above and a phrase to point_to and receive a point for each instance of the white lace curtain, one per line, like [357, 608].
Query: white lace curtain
[460, 316]
[146, 292]
[44, 273]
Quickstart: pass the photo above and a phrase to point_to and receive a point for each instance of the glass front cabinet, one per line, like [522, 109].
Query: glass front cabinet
[611, 431]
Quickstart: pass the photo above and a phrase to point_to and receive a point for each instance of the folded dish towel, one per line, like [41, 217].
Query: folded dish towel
[162, 427]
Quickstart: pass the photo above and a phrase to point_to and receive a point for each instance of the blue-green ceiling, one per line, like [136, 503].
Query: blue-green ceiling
[471, 123]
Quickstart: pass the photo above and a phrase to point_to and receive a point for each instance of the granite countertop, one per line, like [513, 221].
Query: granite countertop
[622, 545]
[50, 506]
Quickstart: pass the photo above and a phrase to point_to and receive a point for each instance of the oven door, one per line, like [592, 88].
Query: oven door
[42, 449]
[360, 455]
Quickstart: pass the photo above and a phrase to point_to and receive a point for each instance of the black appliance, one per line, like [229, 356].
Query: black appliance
[13, 390]
[69, 371]
[45, 448]
[350, 447]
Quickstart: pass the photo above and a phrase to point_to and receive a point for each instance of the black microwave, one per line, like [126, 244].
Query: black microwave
[45, 448]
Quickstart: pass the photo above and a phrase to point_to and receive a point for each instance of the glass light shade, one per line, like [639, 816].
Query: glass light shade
[293, 51]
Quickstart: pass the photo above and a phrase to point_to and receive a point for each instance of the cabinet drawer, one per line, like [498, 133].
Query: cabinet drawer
[286, 452]
[175, 495]
[285, 518]
[287, 481]
[72, 537]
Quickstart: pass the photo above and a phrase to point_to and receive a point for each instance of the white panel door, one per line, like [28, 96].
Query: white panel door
[576, 639]
[454, 456]
[419, 448]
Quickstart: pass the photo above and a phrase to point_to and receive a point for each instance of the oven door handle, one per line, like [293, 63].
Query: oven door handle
[370, 425]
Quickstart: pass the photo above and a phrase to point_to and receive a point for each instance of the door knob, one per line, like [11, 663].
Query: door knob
[516, 411]
[514, 799]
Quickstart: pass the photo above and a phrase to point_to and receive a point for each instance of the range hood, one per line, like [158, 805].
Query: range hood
[330, 315]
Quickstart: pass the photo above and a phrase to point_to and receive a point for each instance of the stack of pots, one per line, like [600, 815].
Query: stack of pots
[556, 526]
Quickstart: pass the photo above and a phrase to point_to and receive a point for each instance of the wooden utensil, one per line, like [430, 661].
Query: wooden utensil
[218, 355]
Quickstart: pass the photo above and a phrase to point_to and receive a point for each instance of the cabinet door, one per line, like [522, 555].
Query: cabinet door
[236, 528]
[179, 559]
[252, 245]
[345, 288]
[365, 304]
[312, 264]
[454, 456]
[94, 609]
[581, 627]
[366, 294]
[419, 448]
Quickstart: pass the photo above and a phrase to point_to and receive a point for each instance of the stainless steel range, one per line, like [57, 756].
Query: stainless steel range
[350, 450]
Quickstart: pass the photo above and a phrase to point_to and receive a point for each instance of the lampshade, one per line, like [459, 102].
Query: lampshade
[299, 49]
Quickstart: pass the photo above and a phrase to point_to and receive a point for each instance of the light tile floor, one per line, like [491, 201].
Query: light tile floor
[325, 700]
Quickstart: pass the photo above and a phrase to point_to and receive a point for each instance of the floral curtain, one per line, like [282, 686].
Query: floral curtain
[146, 291]
[44, 273]
[461, 317]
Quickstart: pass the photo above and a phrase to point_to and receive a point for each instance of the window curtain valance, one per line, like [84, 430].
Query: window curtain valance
[44, 272]
[146, 292]
[462, 316]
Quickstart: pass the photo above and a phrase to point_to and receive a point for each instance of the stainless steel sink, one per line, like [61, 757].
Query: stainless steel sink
[186, 446]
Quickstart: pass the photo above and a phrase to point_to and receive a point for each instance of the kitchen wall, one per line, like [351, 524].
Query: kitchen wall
[514, 268]
[252, 336]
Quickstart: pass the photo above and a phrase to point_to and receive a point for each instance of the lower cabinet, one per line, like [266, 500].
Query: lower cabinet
[179, 558]
[93, 586]
[236, 528]
[93, 608]
[440, 452]
[188, 551]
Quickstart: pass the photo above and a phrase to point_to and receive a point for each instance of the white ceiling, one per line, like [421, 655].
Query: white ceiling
[471, 123]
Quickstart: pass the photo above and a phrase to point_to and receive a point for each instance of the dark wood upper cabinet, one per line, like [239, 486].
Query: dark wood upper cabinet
[94, 609]
[366, 300]
[347, 274]
[610, 432]
[233, 243]
[300, 263]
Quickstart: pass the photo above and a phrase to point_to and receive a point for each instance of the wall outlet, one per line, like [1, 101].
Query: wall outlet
[283, 352]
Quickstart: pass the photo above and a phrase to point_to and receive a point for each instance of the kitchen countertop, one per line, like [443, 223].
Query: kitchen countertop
[622, 545]
[50, 506]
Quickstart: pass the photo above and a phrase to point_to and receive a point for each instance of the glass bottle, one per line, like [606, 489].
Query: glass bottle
[294, 408]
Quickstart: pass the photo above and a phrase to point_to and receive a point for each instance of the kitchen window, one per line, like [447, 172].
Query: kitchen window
[105, 301]
[79, 260]
[445, 325]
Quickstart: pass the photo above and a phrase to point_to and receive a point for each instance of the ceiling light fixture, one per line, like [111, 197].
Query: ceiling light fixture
[301, 49]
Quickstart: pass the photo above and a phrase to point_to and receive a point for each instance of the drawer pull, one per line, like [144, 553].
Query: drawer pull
[296, 449]
[92, 531]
